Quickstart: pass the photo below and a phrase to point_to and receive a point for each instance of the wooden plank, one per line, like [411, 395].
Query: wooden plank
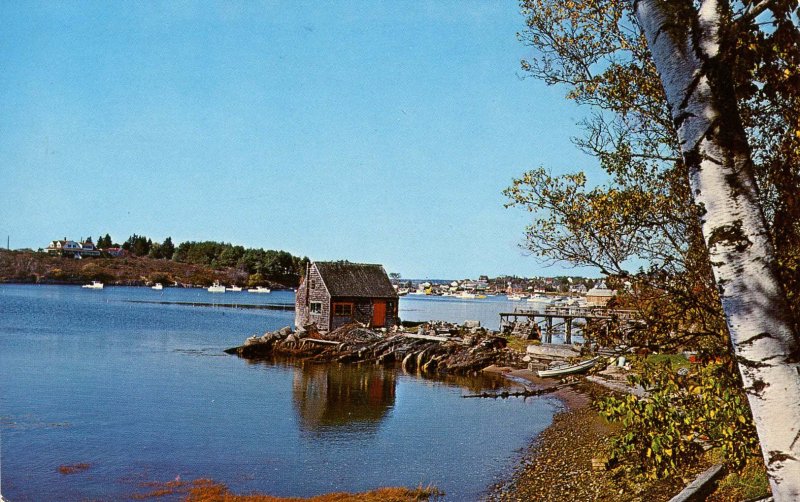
[696, 490]
[317, 340]
[427, 337]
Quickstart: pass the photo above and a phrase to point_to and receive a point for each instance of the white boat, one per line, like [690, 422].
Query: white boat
[93, 285]
[539, 299]
[259, 289]
[216, 288]
[516, 298]
[158, 286]
[233, 288]
[466, 295]
[569, 369]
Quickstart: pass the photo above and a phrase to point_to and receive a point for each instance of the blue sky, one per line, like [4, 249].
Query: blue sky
[371, 131]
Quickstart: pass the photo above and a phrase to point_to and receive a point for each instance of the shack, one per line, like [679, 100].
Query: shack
[336, 293]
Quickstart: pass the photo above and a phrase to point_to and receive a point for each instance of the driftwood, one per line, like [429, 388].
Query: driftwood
[356, 344]
[522, 393]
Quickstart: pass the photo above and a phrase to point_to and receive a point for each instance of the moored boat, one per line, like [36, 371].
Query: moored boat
[569, 369]
[93, 285]
[540, 299]
[158, 286]
[216, 288]
[259, 289]
[234, 288]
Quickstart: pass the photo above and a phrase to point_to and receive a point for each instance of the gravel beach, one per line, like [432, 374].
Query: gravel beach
[558, 465]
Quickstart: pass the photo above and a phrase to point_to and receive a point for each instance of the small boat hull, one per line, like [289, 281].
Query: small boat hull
[568, 370]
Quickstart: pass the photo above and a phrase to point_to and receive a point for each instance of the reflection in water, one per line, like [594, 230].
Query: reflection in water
[331, 396]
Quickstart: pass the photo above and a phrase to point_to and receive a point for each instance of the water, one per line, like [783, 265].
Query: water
[142, 392]
[457, 310]
[486, 310]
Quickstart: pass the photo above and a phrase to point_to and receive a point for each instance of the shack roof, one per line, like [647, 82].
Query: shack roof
[343, 278]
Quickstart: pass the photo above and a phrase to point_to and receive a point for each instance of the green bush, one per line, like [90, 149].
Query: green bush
[684, 410]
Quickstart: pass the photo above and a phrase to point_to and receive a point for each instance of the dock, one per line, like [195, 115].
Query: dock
[567, 315]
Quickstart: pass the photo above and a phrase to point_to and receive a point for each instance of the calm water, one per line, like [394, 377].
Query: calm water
[142, 392]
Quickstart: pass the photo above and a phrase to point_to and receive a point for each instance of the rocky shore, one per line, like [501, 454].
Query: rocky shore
[450, 349]
[567, 461]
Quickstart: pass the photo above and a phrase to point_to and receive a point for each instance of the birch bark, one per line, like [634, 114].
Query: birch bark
[690, 57]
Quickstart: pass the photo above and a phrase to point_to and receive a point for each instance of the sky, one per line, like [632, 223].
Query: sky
[371, 131]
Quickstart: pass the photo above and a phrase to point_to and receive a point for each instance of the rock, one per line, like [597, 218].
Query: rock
[599, 463]
[285, 331]
[472, 324]
[552, 351]
[291, 339]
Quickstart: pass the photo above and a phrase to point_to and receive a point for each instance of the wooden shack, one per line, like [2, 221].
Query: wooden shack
[333, 294]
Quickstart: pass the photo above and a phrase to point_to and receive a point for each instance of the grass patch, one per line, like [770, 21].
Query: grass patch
[677, 361]
[749, 483]
[520, 345]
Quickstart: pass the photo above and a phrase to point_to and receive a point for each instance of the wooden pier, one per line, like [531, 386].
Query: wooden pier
[567, 315]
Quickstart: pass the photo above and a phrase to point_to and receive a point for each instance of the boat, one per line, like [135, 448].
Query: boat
[466, 295]
[158, 286]
[216, 288]
[516, 298]
[259, 289]
[540, 299]
[234, 288]
[93, 285]
[568, 369]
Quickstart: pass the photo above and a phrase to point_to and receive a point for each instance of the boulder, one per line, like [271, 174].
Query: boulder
[472, 324]
[552, 351]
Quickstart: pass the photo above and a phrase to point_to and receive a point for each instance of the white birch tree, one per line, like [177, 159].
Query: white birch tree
[688, 46]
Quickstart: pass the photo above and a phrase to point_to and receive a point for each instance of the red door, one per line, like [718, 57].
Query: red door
[378, 314]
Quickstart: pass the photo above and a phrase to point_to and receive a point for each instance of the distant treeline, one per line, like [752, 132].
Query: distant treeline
[259, 264]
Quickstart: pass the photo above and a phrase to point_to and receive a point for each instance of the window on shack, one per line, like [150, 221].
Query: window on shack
[343, 309]
[316, 307]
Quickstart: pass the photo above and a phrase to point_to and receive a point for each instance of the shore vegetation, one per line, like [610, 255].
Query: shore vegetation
[661, 229]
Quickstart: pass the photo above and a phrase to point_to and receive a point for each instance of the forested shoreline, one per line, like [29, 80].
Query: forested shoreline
[143, 262]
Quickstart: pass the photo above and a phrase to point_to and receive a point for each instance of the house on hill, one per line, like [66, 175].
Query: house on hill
[336, 293]
[66, 247]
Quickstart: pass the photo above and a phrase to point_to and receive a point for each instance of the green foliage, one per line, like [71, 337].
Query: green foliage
[167, 248]
[138, 245]
[104, 242]
[270, 265]
[663, 432]
[676, 361]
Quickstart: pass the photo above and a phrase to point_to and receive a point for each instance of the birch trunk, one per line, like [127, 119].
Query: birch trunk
[689, 57]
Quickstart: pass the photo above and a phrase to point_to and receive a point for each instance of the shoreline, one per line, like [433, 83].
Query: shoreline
[560, 463]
